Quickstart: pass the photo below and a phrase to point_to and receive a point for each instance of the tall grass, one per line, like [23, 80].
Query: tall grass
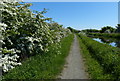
[45, 66]
[93, 67]
[106, 57]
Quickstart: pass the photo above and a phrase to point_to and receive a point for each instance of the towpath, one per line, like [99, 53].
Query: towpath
[74, 67]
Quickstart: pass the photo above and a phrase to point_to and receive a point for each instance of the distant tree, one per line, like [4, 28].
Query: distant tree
[107, 29]
[91, 31]
[73, 30]
[118, 28]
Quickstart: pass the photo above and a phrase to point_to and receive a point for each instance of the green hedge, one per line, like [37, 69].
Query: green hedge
[107, 56]
[45, 66]
[114, 35]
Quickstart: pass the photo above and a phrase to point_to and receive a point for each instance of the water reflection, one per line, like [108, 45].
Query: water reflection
[111, 41]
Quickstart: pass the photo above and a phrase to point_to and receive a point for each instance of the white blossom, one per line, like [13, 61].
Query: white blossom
[9, 1]
[2, 24]
[37, 41]
[8, 61]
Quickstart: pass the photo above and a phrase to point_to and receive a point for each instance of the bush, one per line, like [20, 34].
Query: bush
[25, 34]
[45, 66]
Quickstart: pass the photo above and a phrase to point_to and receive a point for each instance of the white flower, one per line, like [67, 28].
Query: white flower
[16, 56]
[1, 41]
[18, 51]
[9, 1]
[19, 63]
[12, 67]
[8, 62]
[2, 24]
[5, 69]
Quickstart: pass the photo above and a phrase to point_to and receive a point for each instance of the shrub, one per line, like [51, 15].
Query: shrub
[25, 32]
[45, 66]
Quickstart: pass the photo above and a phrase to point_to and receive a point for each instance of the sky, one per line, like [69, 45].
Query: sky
[71, 0]
[119, 13]
[80, 15]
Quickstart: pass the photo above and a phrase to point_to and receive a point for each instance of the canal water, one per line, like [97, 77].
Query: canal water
[110, 41]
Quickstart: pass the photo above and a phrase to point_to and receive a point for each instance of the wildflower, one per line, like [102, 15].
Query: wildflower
[2, 24]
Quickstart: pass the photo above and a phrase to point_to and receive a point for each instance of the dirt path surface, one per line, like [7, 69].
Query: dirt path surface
[74, 67]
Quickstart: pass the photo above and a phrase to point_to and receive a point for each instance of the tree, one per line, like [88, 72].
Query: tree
[118, 28]
[25, 34]
[73, 30]
[91, 31]
[107, 29]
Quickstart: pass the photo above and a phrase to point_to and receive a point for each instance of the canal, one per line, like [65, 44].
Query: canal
[110, 41]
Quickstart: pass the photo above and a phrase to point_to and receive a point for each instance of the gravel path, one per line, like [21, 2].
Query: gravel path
[74, 67]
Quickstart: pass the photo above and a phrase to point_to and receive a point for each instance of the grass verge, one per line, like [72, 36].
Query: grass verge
[43, 66]
[103, 61]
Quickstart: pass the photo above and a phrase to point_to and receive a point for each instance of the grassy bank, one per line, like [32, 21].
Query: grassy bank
[45, 66]
[102, 60]
[93, 67]
[114, 35]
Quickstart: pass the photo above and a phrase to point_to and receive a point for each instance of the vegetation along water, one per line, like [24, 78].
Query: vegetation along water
[36, 47]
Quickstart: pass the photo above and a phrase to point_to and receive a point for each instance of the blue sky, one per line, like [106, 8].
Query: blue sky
[71, 0]
[81, 15]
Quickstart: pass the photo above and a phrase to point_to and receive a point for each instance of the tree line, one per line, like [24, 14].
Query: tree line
[106, 29]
